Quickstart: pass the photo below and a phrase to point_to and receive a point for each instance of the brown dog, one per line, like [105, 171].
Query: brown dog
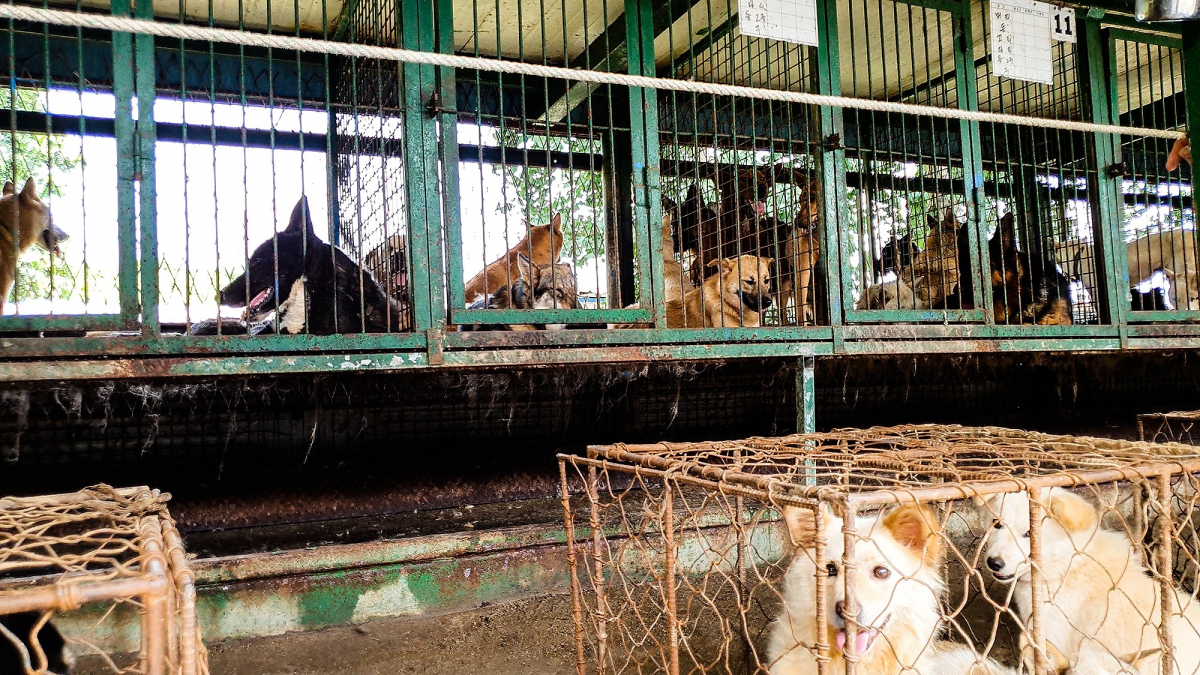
[36, 227]
[542, 245]
[936, 268]
[736, 297]
[803, 252]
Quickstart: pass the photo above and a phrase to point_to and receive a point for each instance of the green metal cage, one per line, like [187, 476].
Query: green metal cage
[503, 218]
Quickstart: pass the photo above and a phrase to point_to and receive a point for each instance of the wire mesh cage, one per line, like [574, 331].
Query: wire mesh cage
[112, 549]
[1172, 427]
[929, 549]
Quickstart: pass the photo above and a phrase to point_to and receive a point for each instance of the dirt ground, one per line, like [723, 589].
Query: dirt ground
[531, 636]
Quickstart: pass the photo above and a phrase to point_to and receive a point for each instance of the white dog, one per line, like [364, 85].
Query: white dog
[1101, 612]
[1171, 251]
[894, 294]
[898, 583]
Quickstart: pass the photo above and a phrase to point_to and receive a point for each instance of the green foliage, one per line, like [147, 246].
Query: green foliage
[540, 193]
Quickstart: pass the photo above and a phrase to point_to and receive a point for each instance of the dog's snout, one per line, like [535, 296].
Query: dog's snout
[840, 609]
[995, 563]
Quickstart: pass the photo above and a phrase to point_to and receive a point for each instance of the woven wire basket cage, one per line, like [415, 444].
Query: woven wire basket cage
[116, 554]
[1171, 427]
[701, 557]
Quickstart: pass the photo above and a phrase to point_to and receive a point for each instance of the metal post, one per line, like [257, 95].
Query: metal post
[593, 491]
[573, 564]
[1037, 637]
[1166, 588]
[806, 397]
[821, 601]
[849, 567]
[669, 577]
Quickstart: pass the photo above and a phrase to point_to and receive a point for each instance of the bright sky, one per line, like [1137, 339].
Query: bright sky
[216, 205]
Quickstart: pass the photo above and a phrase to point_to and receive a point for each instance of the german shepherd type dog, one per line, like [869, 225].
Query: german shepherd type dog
[549, 286]
[319, 290]
[36, 227]
[58, 661]
[733, 298]
[542, 245]
[1021, 295]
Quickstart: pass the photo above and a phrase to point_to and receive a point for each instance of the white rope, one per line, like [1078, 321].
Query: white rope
[205, 34]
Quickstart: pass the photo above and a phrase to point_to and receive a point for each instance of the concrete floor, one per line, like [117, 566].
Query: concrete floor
[532, 636]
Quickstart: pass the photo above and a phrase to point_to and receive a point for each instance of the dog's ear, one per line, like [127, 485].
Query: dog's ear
[524, 267]
[1070, 510]
[556, 223]
[9, 188]
[715, 262]
[301, 220]
[801, 525]
[29, 192]
[931, 222]
[767, 261]
[1008, 232]
[916, 528]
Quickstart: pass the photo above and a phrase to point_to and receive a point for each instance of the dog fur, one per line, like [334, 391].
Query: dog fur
[1100, 597]
[1019, 294]
[937, 266]
[1174, 253]
[895, 294]
[735, 297]
[801, 253]
[898, 587]
[675, 283]
[323, 291]
[388, 265]
[58, 661]
[36, 227]
[542, 245]
[1145, 256]
[896, 255]
[549, 286]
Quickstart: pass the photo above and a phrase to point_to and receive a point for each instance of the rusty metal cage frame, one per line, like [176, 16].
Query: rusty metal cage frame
[657, 521]
[1172, 427]
[61, 552]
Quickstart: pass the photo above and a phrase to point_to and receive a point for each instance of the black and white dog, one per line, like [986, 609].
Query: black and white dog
[20, 626]
[311, 286]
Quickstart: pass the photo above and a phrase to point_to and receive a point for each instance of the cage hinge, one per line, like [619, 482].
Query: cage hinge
[1118, 170]
[833, 142]
[434, 347]
[434, 107]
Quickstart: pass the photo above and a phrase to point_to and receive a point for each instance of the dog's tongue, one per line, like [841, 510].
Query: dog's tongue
[760, 207]
[862, 640]
[258, 298]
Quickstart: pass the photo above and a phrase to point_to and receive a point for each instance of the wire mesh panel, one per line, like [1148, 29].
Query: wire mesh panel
[1158, 220]
[115, 550]
[924, 549]
[906, 175]
[741, 197]
[1041, 186]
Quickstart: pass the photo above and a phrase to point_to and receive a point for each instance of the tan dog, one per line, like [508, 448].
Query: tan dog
[675, 283]
[542, 245]
[36, 227]
[1173, 252]
[803, 251]
[936, 267]
[736, 297]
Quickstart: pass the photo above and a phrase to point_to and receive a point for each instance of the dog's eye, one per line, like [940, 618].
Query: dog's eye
[831, 569]
[881, 572]
[998, 525]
